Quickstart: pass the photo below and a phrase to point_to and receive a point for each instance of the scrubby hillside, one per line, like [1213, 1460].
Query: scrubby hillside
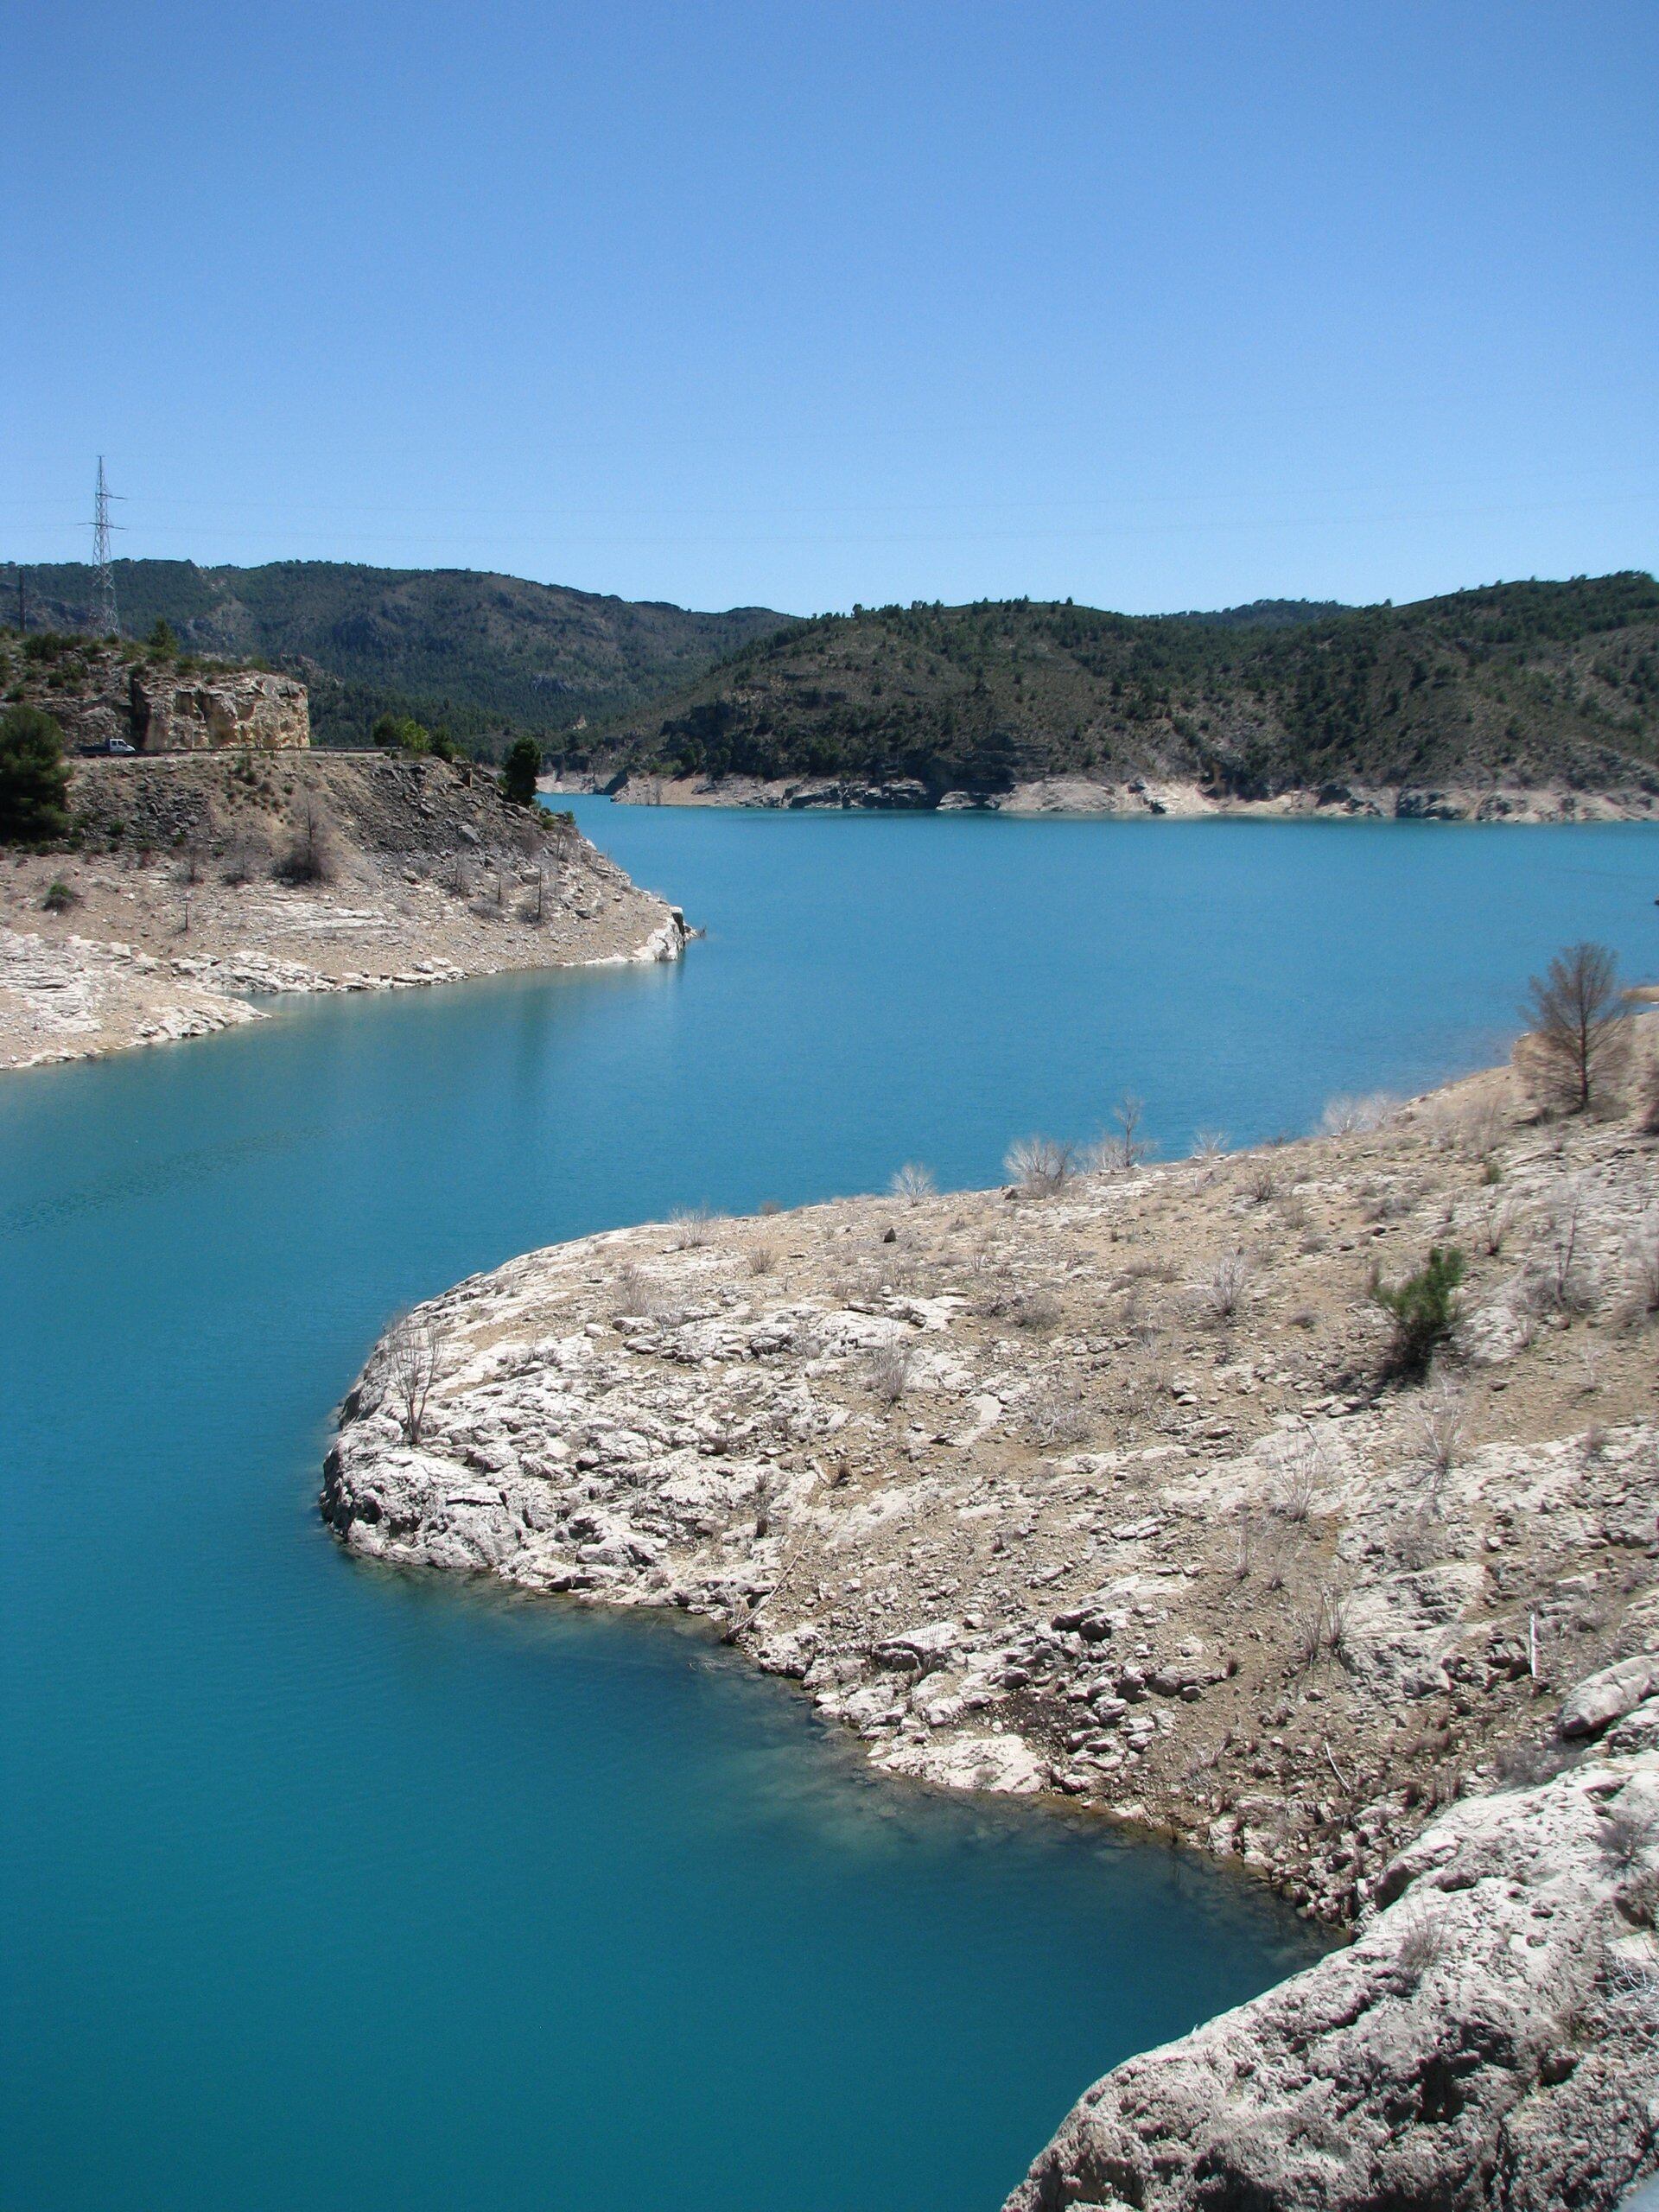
[479, 652]
[1525, 685]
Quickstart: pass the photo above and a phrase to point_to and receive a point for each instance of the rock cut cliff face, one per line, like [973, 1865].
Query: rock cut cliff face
[248, 708]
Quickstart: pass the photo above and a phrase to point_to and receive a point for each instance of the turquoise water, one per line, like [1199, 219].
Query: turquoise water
[329, 1889]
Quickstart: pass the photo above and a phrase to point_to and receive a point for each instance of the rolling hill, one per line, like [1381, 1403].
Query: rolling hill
[484, 654]
[1527, 685]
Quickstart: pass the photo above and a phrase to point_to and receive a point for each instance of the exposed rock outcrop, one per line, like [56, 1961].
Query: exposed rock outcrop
[173, 713]
[1490, 2040]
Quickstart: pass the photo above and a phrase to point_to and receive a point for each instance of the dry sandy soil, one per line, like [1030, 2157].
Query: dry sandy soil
[200, 882]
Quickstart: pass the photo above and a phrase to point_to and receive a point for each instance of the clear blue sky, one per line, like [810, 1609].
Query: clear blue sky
[1153, 305]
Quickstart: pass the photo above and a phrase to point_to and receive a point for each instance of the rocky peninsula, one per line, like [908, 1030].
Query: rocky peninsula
[1110, 1483]
[199, 882]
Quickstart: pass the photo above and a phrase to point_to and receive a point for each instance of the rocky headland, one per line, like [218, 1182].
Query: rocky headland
[1101, 1484]
[196, 881]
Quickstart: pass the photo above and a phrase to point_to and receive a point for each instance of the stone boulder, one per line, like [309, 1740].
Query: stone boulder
[1601, 1698]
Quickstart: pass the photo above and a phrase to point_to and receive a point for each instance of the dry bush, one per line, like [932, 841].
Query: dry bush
[763, 1258]
[1424, 1944]
[309, 856]
[1210, 1146]
[1122, 1152]
[637, 1294]
[1493, 1217]
[1555, 1280]
[1525, 1765]
[1475, 1128]
[693, 1227]
[1260, 1181]
[1057, 1417]
[912, 1182]
[1037, 1310]
[1040, 1165]
[1641, 1258]
[247, 856]
[890, 1371]
[1319, 1624]
[413, 1361]
[1624, 1835]
[1441, 1422]
[1346, 1117]
[1220, 1291]
[1302, 1479]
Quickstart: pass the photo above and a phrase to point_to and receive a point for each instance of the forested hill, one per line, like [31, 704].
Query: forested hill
[1528, 684]
[481, 653]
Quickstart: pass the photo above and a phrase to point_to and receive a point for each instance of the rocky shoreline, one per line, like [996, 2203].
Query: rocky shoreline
[1095, 1487]
[197, 885]
[1143, 796]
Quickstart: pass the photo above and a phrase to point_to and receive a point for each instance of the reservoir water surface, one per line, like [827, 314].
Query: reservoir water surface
[327, 1889]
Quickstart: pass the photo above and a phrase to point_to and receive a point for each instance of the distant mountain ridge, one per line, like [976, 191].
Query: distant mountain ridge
[481, 652]
[1526, 684]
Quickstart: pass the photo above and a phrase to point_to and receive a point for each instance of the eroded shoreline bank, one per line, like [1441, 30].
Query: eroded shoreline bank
[1139, 798]
[200, 884]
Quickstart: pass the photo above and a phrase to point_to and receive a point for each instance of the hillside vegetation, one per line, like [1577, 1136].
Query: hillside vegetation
[1524, 684]
[482, 655]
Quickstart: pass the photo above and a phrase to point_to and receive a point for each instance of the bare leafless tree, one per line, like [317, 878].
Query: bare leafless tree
[1576, 1033]
[413, 1361]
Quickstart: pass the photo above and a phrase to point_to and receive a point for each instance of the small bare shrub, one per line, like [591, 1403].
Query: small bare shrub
[1493, 1219]
[763, 1258]
[890, 1371]
[1260, 1181]
[1220, 1291]
[1442, 1426]
[1624, 1835]
[1344, 1116]
[1056, 1417]
[414, 1360]
[1210, 1146]
[1040, 1165]
[1318, 1625]
[1037, 1310]
[1641, 1258]
[912, 1182]
[1122, 1152]
[1422, 1947]
[1556, 1279]
[309, 856]
[1301, 1479]
[693, 1227]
